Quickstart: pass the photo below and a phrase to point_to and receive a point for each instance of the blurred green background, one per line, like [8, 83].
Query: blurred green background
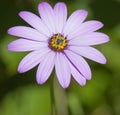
[19, 93]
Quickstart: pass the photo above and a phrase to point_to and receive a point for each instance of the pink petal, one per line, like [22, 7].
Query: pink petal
[27, 32]
[62, 70]
[90, 53]
[74, 21]
[77, 76]
[79, 63]
[85, 28]
[45, 68]
[31, 60]
[47, 15]
[25, 45]
[93, 38]
[35, 22]
[60, 11]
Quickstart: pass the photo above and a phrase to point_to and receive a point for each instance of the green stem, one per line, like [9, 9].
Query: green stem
[52, 95]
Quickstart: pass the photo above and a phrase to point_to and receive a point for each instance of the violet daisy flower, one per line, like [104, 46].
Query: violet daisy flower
[56, 41]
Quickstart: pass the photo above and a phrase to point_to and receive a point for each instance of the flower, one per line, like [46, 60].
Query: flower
[58, 42]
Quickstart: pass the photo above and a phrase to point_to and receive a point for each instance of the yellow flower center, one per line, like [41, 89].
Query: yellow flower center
[58, 42]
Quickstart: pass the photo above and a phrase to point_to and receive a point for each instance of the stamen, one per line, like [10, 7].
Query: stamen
[57, 42]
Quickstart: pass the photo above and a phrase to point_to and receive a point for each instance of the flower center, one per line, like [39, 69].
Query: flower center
[57, 42]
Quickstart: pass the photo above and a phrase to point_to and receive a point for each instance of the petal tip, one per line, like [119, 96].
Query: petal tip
[61, 3]
[9, 31]
[100, 24]
[42, 3]
[65, 86]
[8, 47]
[89, 77]
[20, 70]
[83, 83]
[21, 13]
[84, 11]
[40, 82]
[38, 79]
[11, 47]
[104, 61]
[107, 38]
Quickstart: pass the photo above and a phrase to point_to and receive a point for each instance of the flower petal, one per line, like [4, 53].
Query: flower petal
[62, 70]
[85, 28]
[25, 45]
[93, 38]
[74, 21]
[77, 76]
[90, 53]
[34, 21]
[45, 68]
[60, 11]
[27, 32]
[79, 63]
[47, 15]
[31, 60]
